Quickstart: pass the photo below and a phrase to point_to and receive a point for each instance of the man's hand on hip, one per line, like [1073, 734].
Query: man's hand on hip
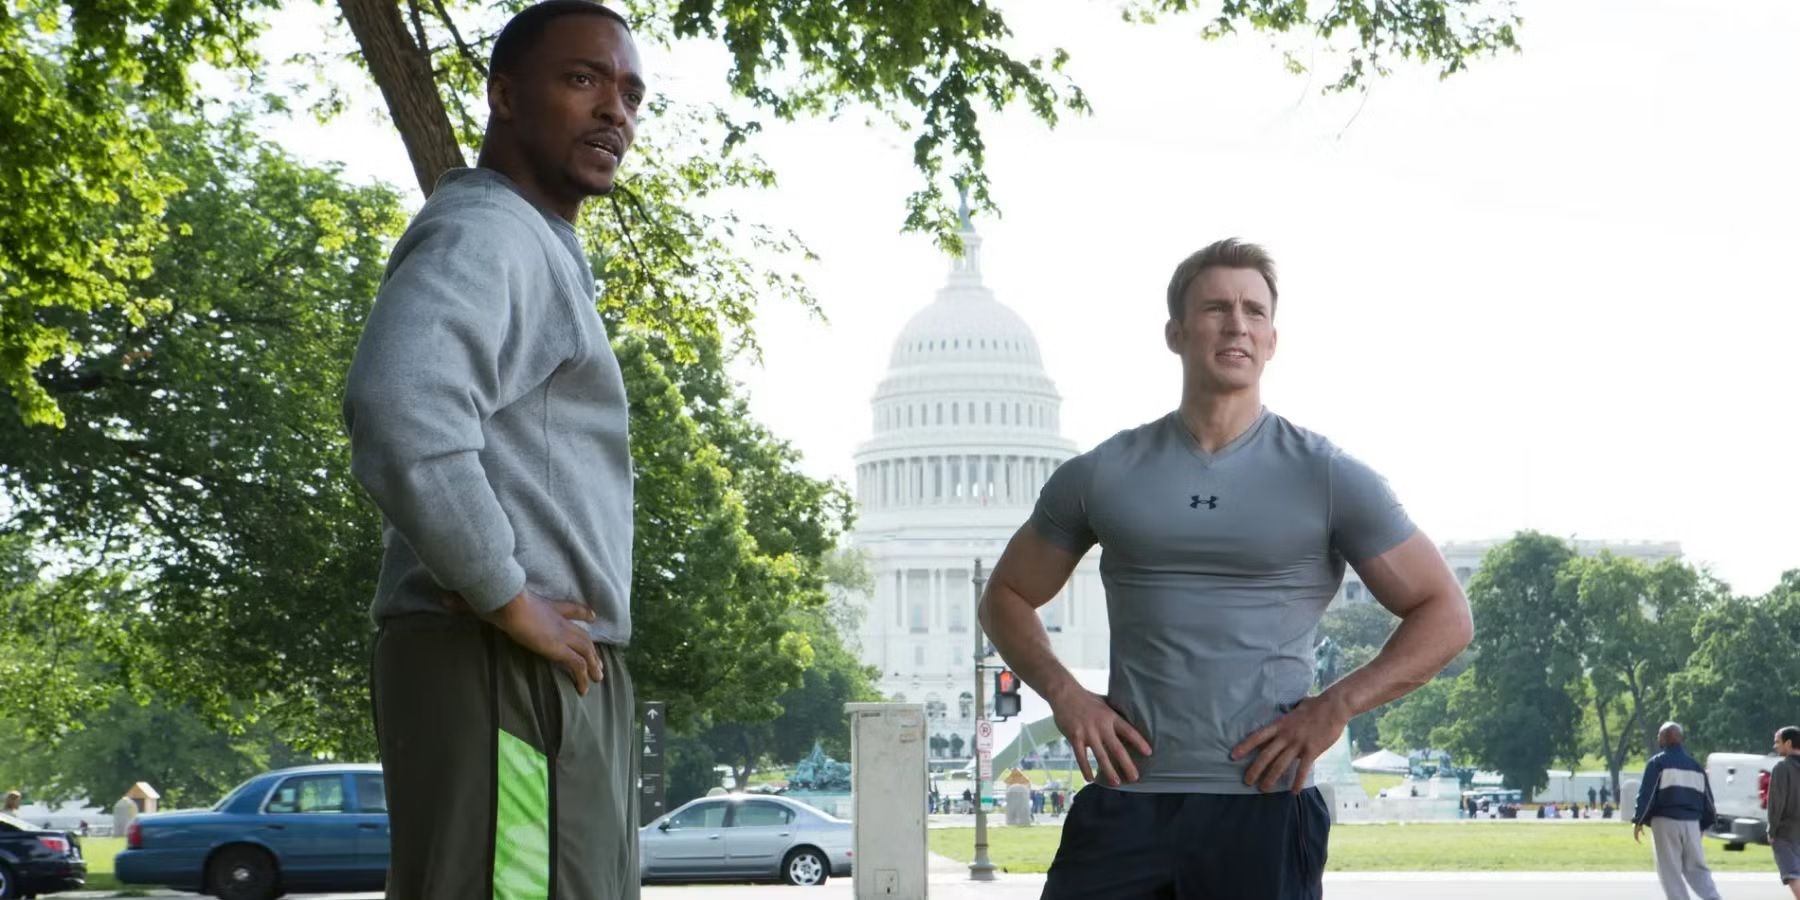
[555, 630]
[1637, 832]
[1090, 723]
[1300, 736]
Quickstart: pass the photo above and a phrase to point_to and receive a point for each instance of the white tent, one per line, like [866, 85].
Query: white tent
[1381, 761]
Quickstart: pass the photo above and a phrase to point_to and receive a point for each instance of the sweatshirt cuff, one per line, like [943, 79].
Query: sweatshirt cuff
[495, 590]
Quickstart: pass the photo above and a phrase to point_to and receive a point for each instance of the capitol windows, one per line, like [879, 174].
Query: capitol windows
[935, 708]
[940, 414]
[971, 412]
[1017, 420]
[958, 618]
[909, 417]
[1003, 414]
[955, 417]
[965, 705]
[987, 414]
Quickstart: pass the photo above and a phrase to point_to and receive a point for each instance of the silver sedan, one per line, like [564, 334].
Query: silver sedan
[744, 837]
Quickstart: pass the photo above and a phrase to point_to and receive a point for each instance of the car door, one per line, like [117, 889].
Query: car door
[757, 836]
[305, 820]
[371, 827]
[691, 843]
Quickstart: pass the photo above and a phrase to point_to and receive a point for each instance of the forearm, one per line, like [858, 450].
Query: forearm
[1013, 625]
[1429, 636]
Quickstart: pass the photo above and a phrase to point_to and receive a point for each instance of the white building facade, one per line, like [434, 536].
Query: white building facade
[965, 432]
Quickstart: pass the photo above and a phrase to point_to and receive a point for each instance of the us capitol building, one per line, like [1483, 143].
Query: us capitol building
[965, 432]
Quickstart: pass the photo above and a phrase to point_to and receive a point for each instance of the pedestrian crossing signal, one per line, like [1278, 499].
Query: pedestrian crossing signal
[1006, 694]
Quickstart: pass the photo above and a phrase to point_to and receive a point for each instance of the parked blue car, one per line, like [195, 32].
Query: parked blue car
[315, 828]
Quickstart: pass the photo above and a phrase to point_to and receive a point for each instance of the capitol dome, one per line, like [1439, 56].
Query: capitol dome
[965, 430]
[966, 415]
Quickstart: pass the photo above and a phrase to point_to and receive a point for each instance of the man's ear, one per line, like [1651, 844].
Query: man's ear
[1172, 333]
[499, 97]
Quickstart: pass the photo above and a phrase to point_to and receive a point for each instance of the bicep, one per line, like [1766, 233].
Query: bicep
[1408, 575]
[1033, 567]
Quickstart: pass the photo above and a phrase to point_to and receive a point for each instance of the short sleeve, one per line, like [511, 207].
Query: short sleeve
[1061, 514]
[1367, 520]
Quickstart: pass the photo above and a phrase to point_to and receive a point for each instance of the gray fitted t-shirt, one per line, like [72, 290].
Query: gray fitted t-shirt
[1217, 568]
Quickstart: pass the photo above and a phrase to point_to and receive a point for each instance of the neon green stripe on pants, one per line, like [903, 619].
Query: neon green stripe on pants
[522, 823]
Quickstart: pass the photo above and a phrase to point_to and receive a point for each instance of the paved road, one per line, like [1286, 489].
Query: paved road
[1338, 886]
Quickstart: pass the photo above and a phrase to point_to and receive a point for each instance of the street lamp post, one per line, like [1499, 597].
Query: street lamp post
[982, 869]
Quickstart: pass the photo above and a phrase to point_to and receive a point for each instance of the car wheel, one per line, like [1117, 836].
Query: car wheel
[9, 883]
[242, 873]
[805, 866]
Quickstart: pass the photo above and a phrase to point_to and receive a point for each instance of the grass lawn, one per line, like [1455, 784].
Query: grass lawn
[1374, 784]
[99, 852]
[1446, 846]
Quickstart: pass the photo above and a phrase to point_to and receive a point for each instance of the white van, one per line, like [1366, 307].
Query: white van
[1740, 786]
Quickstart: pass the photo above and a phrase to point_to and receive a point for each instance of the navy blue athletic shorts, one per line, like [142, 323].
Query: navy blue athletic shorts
[1125, 845]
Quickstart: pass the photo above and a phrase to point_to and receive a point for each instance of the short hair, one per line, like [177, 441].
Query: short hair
[1791, 734]
[1229, 253]
[522, 32]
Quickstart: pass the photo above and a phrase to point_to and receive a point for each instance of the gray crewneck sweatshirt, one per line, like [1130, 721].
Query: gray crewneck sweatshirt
[487, 414]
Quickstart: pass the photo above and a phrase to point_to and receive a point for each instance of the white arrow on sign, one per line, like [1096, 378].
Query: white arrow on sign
[651, 713]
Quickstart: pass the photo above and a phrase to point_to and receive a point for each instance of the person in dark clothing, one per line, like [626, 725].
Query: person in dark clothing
[1593, 798]
[1676, 802]
[1784, 808]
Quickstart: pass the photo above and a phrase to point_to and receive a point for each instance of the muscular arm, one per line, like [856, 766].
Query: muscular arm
[1412, 582]
[1028, 575]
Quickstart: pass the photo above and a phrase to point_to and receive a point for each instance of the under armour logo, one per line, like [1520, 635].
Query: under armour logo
[1211, 502]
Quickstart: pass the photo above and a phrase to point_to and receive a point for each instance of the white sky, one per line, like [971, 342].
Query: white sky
[1552, 292]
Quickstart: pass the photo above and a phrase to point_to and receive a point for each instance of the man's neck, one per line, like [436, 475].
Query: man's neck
[1218, 419]
[507, 165]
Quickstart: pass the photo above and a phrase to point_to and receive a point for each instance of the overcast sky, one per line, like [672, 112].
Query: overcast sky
[1553, 292]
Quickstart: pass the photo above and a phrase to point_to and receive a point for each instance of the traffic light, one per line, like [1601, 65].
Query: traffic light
[1006, 694]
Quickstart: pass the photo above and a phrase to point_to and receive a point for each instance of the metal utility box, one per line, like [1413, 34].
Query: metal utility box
[889, 792]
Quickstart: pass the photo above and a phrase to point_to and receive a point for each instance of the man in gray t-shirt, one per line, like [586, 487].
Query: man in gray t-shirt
[1225, 530]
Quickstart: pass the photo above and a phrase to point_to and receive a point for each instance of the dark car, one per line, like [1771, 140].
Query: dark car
[315, 828]
[38, 860]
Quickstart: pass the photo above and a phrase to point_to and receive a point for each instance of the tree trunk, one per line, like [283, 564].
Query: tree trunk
[402, 70]
[1606, 746]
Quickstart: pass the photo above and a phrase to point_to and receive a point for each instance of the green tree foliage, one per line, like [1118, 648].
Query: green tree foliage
[1635, 629]
[1735, 690]
[77, 78]
[1512, 708]
[205, 450]
[173, 747]
[1418, 721]
[75, 143]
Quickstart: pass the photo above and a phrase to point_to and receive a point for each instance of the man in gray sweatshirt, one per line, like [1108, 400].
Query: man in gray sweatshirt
[488, 420]
[1784, 808]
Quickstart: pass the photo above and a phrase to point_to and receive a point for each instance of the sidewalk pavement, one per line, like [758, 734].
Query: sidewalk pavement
[949, 880]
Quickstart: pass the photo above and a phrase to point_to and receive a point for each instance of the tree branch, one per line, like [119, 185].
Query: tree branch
[468, 53]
